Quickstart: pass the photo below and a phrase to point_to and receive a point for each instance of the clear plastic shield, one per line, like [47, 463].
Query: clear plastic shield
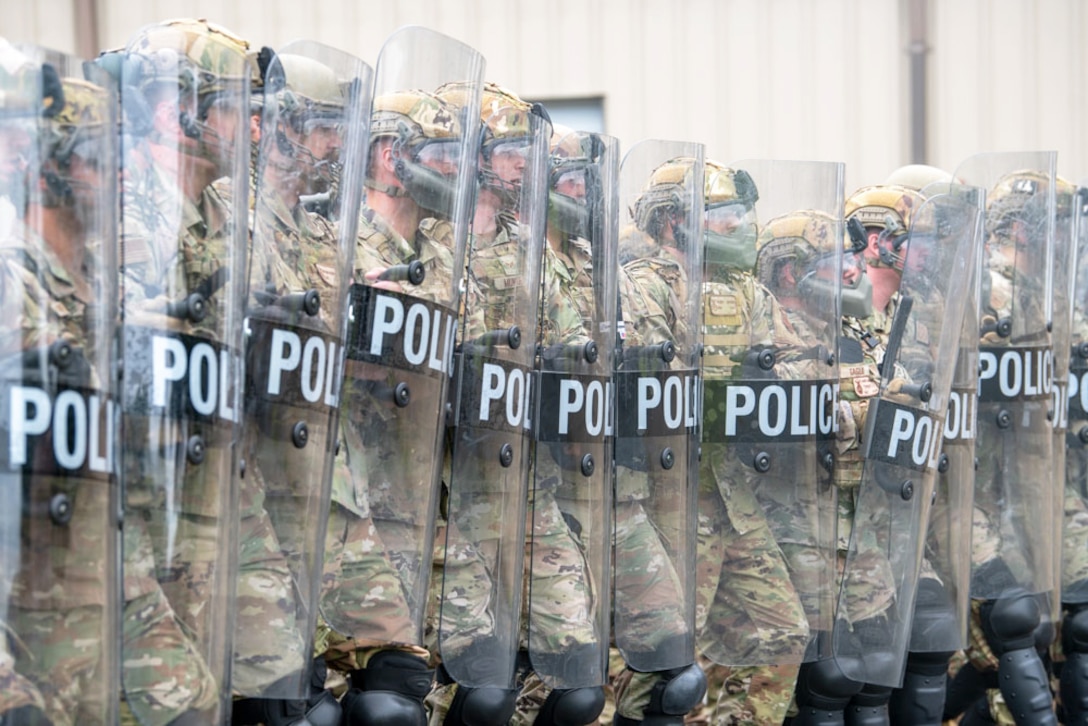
[491, 404]
[59, 573]
[1064, 265]
[1014, 504]
[571, 539]
[942, 606]
[770, 381]
[186, 146]
[657, 396]
[311, 156]
[401, 332]
[1074, 582]
[904, 433]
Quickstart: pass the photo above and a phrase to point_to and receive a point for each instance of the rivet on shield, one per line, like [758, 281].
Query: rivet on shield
[402, 396]
[829, 461]
[1050, 326]
[589, 351]
[668, 459]
[194, 449]
[830, 359]
[60, 509]
[416, 272]
[194, 307]
[300, 434]
[943, 463]
[60, 354]
[699, 453]
[588, 465]
[1004, 327]
[506, 455]
[311, 303]
[1083, 434]
[513, 337]
[668, 351]
[762, 462]
[1004, 418]
[925, 392]
[337, 451]
[976, 463]
[242, 468]
[907, 490]
[1082, 350]
[766, 359]
[1049, 415]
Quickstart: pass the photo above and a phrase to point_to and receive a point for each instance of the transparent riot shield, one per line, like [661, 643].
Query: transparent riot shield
[657, 396]
[59, 537]
[491, 409]
[185, 132]
[401, 332]
[904, 432]
[311, 156]
[1064, 265]
[571, 537]
[1074, 582]
[942, 603]
[771, 316]
[1014, 526]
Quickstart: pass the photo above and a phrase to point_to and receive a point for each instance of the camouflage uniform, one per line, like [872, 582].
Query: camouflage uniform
[652, 283]
[369, 560]
[744, 581]
[57, 618]
[155, 211]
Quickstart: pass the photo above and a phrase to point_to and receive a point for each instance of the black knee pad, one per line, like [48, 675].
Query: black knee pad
[934, 624]
[318, 710]
[921, 698]
[24, 716]
[481, 707]
[676, 692]
[397, 672]
[571, 707]
[1075, 629]
[1010, 622]
[381, 708]
[869, 707]
[823, 687]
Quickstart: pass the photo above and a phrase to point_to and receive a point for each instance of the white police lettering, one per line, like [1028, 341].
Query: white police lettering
[674, 399]
[317, 359]
[79, 436]
[1016, 372]
[920, 432]
[1060, 401]
[593, 401]
[1078, 388]
[209, 374]
[426, 334]
[795, 409]
[511, 388]
[959, 425]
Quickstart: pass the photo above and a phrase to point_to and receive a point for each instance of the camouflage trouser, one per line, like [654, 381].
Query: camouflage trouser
[362, 594]
[163, 674]
[746, 606]
[649, 606]
[15, 690]
[267, 642]
[870, 589]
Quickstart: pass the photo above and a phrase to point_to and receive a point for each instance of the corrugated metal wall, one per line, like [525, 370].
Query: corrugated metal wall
[796, 79]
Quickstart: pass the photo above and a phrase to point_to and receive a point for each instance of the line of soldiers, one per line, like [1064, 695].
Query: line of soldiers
[338, 396]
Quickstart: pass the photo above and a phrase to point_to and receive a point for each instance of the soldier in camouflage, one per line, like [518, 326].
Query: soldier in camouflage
[650, 610]
[380, 522]
[744, 579]
[58, 658]
[186, 126]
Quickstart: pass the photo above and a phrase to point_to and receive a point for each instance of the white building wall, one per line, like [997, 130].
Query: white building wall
[797, 79]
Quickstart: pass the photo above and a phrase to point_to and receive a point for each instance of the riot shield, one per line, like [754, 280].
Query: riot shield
[185, 137]
[59, 544]
[1013, 539]
[770, 380]
[402, 322]
[1074, 582]
[657, 395]
[1060, 316]
[903, 434]
[491, 407]
[312, 146]
[942, 605]
[570, 552]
